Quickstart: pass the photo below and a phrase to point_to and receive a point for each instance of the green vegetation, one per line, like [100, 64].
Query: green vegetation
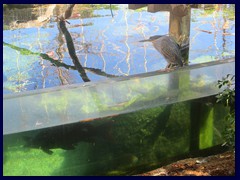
[229, 12]
[227, 98]
[104, 6]
[133, 143]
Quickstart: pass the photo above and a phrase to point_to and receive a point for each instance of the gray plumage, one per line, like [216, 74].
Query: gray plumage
[167, 46]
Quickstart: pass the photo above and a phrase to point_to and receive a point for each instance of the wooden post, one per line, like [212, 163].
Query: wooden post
[179, 26]
[179, 29]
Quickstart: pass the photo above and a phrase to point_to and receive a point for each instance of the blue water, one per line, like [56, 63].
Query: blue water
[111, 45]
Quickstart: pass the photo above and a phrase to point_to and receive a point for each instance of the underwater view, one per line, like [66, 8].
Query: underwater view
[125, 144]
[87, 89]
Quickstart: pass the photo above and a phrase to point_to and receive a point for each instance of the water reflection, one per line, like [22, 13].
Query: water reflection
[105, 44]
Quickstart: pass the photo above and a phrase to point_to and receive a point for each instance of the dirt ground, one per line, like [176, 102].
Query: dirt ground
[217, 165]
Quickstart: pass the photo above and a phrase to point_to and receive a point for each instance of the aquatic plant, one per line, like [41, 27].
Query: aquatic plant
[227, 98]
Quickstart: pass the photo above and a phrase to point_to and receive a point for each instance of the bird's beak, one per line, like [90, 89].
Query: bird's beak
[146, 40]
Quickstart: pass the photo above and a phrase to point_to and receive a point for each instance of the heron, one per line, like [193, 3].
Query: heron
[168, 47]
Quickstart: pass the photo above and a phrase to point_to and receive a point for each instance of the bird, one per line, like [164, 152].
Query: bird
[168, 47]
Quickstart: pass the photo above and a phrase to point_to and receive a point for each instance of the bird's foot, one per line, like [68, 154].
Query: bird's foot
[168, 67]
[173, 66]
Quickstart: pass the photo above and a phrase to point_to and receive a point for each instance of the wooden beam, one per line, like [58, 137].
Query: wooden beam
[195, 5]
[136, 6]
[158, 7]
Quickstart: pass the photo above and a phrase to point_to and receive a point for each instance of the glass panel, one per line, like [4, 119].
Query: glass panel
[74, 103]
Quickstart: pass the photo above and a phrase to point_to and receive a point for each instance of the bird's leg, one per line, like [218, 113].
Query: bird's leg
[174, 66]
[168, 67]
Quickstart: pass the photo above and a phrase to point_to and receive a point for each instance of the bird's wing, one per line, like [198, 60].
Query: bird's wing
[164, 47]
